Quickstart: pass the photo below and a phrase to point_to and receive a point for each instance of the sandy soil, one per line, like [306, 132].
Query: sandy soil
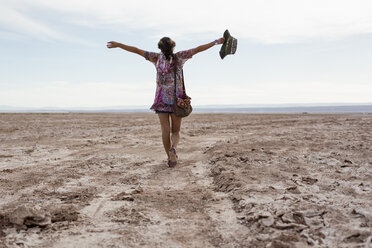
[243, 180]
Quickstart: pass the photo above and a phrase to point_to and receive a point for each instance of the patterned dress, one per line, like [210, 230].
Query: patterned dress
[164, 95]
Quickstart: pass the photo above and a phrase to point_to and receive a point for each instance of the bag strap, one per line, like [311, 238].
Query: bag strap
[175, 79]
[183, 84]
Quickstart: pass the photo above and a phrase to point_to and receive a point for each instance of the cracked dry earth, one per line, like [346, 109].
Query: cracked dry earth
[243, 180]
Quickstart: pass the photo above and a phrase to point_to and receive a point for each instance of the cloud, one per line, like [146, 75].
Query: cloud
[16, 24]
[70, 94]
[267, 21]
[282, 92]
[15, 21]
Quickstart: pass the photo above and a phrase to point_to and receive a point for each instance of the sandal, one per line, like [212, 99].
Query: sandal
[173, 156]
[171, 164]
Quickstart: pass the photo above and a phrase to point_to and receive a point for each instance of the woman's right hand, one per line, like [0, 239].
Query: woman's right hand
[112, 44]
[221, 40]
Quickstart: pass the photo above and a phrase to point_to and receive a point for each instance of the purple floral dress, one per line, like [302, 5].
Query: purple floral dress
[164, 96]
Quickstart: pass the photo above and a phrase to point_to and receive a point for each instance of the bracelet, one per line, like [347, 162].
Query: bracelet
[215, 42]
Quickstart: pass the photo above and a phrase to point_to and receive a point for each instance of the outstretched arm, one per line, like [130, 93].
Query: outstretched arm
[113, 44]
[207, 46]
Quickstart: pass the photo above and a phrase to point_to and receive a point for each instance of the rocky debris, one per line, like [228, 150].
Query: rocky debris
[262, 218]
[241, 204]
[363, 213]
[30, 150]
[313, 237]
[136, 190]
[217, 170]
[123, 196]
[24, 217]
[244, 159]
[347, 161]
[316, 220]
[226, 182]
[83, 196]
[309, 180]
[128, 195]
[284, 226]
[284, 240]
[301, 206]
[369, 242]
[269, 221]
[128, 179]
[358, 236]
[4, 222]
[332, 162]
[295, 217]
[263, 237]
[64, 213]
[293, 190]
[129, 216]
[29, 217]
[5, 156]
[278, 244]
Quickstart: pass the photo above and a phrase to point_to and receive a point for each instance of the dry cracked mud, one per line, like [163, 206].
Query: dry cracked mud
[243, 180]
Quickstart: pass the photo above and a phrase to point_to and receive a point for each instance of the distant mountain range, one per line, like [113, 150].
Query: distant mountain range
[237, 108]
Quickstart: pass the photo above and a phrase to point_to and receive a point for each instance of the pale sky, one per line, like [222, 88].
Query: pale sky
[53, 52]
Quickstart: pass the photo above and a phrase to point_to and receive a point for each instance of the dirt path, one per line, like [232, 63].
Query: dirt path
[100, 180]
[164, 208]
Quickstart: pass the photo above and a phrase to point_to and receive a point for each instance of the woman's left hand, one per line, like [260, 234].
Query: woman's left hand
[112, 44]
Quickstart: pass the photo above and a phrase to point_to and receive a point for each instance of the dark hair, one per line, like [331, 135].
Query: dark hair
[166, 46]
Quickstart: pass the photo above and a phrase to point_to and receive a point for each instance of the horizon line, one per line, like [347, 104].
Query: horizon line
[242, 105]
[320, 108]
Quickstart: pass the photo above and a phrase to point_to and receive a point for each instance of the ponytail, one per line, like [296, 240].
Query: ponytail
[166, 46]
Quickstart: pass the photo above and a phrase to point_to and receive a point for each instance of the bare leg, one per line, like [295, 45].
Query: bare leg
[165, 131]
[176, 126]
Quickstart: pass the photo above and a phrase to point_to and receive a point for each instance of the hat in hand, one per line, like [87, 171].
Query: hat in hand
[229, 45]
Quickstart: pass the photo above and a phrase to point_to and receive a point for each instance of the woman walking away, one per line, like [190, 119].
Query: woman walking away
[165, 63]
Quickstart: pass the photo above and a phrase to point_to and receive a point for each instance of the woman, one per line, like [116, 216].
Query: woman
[164, 96]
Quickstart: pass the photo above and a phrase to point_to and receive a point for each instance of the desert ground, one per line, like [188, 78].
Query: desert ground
[242, 180]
